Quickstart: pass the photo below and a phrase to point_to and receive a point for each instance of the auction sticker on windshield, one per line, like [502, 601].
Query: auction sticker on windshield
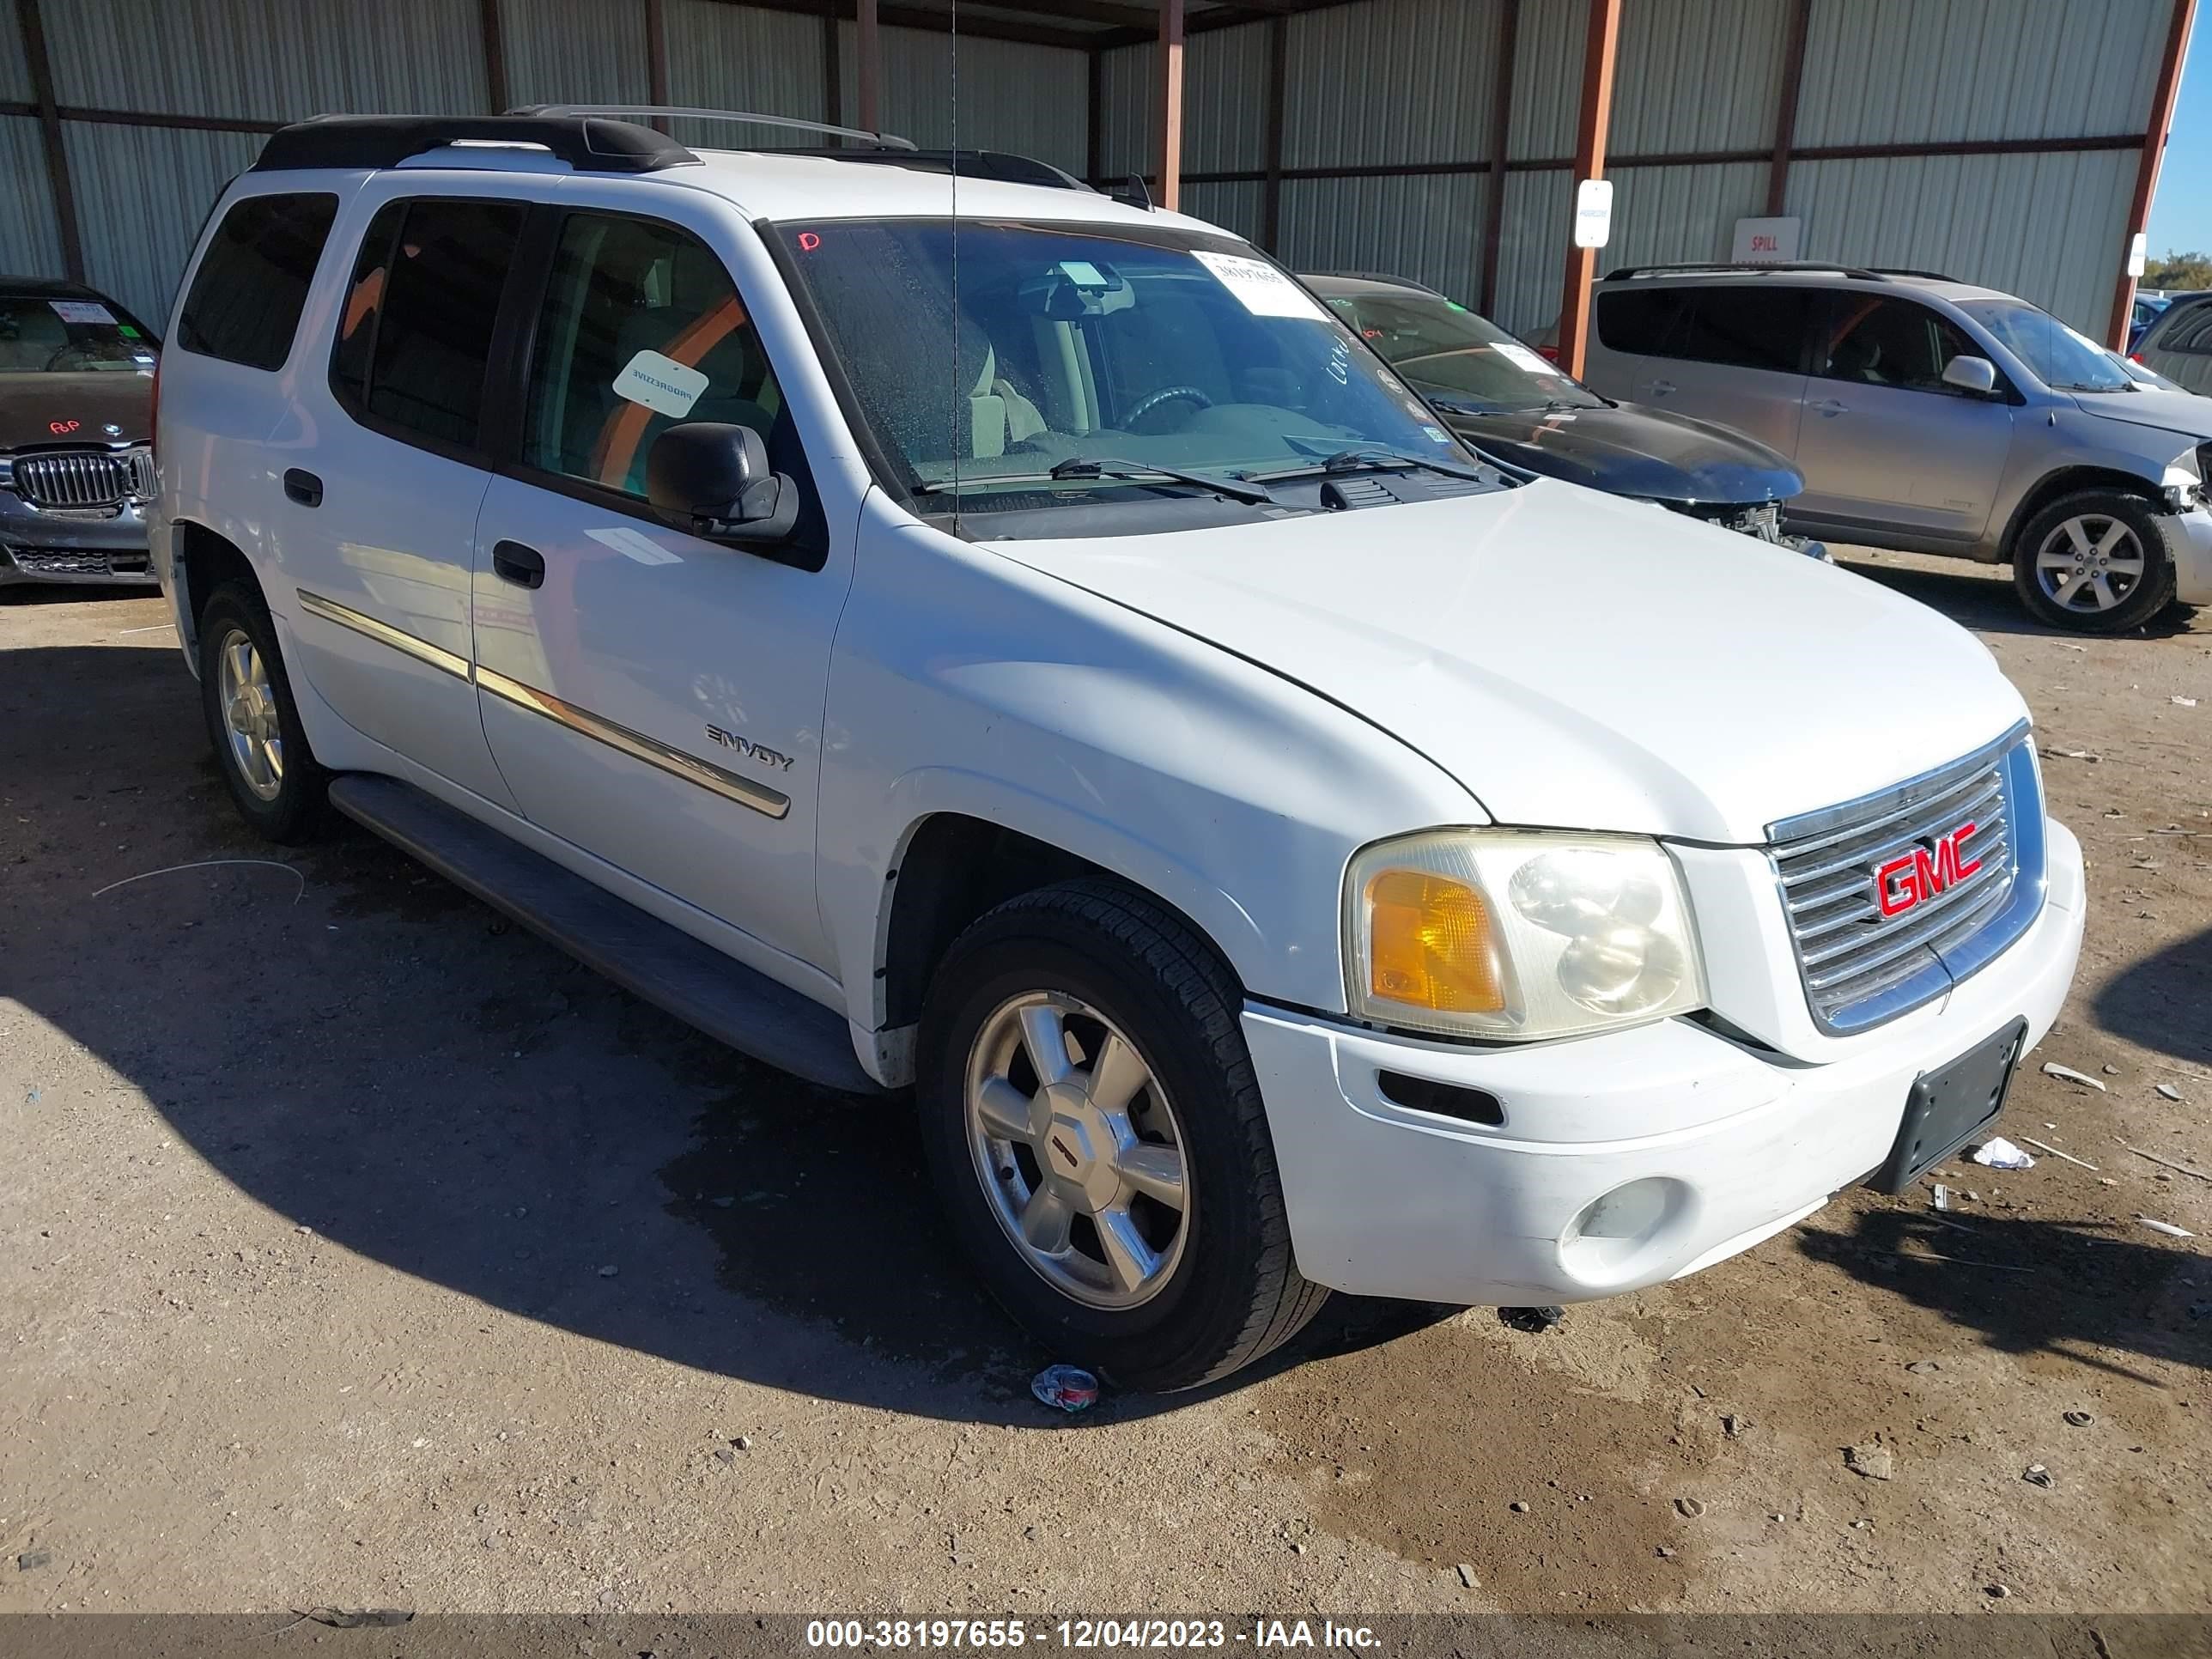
[1522, 358]
[81, 310]
[1263, 291]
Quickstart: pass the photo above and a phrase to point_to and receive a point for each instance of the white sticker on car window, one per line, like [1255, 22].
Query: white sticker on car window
[1263, 291]
[1084, 274]
[81, 310]
[661, 383]
[1522, 358]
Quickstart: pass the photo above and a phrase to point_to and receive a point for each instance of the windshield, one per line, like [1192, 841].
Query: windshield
[2061, 360]
[39, 335]
[1465, 359]
[1086, 342]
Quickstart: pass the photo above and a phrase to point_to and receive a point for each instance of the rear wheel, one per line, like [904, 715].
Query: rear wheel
[2095, 562]
[272, 775]
[1095, 1130]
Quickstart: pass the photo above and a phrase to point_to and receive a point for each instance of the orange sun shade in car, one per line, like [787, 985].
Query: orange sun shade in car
[625, 428]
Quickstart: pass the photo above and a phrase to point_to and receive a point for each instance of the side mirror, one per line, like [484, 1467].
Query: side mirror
[1976, 375]
[715, 477]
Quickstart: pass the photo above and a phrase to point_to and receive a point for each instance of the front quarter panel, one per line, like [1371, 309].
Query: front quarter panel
[963, 682]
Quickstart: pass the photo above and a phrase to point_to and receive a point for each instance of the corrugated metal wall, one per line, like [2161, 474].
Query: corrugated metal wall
[142, 193]
[1371, 84]
[2048, 227]
[267, 60]
[1387, 82]
[28, 240]
[1014, 96]
[1920, 71]
[574, 52]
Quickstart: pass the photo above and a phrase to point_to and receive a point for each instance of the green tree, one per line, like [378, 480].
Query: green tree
[2182, 270]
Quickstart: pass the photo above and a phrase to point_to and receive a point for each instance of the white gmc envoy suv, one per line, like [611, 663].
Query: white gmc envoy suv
[935, 625]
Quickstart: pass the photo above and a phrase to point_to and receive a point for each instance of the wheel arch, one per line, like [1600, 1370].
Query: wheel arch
[2068, 481]
[953, 867]
[203, 560]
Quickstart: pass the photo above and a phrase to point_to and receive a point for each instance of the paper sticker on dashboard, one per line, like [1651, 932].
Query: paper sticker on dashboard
[1522, 358]
[81, 310]
[1263, 291]
[661, 383]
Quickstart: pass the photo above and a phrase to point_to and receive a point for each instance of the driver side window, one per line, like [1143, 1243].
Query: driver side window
[1884, 341]
[642, 328]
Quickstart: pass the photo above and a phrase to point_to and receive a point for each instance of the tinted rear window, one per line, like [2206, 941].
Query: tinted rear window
[1635, 320]
[1744, 327]
[415, 332]
[245, 298]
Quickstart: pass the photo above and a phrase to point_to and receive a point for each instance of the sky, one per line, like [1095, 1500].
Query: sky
[2181, 212]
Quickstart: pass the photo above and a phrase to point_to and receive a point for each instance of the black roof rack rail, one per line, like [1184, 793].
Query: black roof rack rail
[1002, 166]
[587, 143]
[1728, 268]
[1907, 270]
[1390, 276]
[881, 140]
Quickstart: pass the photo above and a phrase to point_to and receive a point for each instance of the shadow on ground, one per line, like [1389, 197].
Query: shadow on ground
[376, 1056]
[1979, 596]
[2028, 1286]
[2161, 1001]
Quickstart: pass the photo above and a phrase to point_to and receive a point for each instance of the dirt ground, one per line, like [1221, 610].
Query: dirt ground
[357, 1249]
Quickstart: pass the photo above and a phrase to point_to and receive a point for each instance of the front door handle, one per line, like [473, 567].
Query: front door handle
[1828, 406]
[1660, 388]
[523, 566]
[304, 488]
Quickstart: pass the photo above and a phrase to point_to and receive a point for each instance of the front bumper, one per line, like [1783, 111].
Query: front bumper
[1729, 1144]
[39, 545]
[2192, 557]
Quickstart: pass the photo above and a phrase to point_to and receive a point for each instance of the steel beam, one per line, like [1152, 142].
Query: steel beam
[1591, 127]
[2153, 151]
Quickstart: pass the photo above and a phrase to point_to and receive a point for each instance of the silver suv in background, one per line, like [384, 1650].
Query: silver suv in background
[2178, 343]
[1933, 416]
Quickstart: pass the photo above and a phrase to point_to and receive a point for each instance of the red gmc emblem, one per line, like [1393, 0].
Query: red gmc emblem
[1926, 871]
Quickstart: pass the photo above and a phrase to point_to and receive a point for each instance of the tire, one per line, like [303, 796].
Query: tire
[272, 775]
[1106, 963]
[2086, 527]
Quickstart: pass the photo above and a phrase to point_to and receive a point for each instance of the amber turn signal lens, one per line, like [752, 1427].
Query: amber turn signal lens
[1432, 945]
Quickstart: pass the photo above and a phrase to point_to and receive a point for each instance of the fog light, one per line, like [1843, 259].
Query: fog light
[1627, 1233]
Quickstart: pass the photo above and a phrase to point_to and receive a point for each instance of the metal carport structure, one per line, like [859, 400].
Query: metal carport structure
[2010, 142]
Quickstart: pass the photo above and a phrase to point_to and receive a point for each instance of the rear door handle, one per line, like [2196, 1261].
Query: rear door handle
[1828, 406]
[304, 488]
[523, 566]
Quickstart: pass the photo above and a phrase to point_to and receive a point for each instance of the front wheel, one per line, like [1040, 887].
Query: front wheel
[1095, 1133]
[2095, 562]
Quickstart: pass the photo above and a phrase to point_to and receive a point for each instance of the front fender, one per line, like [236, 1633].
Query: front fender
[963, 682]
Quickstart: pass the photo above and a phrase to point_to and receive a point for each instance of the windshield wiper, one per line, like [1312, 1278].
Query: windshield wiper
[1367, 460]
[1084, 466]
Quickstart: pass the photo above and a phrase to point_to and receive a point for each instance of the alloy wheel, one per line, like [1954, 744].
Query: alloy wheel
[2090, 563]
[1079, 1150]
[250, 716]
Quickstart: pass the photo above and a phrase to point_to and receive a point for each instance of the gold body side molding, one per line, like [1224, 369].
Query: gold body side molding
[635, 744]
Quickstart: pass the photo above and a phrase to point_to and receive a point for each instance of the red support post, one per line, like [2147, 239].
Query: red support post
[2153, 151]
[869, 47]
[1590, 130]
[1171, 104]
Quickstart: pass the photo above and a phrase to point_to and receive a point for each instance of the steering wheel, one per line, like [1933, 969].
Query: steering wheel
[1146, 406]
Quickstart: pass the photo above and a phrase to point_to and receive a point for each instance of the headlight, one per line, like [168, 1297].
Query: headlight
[1514, 935]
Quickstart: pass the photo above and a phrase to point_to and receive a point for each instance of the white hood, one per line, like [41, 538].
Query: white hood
[1576, 660]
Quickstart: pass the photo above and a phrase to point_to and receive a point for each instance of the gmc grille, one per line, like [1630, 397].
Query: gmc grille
[1952, 908]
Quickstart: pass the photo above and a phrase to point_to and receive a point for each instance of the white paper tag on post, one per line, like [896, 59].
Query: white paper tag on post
[81, 310]
[661, 383]
[1261, 289]
[1522, 358]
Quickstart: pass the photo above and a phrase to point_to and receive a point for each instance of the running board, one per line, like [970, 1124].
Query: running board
[662, 965]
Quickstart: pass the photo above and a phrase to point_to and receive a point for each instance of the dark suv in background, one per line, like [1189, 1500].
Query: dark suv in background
[76, 430]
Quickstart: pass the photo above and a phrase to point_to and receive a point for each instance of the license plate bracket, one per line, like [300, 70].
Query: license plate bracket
[1948, 1105]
